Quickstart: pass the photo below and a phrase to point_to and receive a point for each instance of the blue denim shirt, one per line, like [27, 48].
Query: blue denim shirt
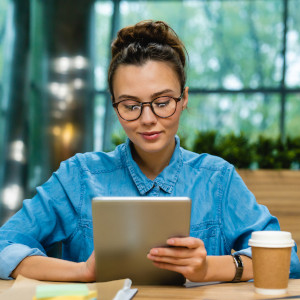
[224, 211]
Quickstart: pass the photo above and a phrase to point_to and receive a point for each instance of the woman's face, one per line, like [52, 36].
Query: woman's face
[149, 133]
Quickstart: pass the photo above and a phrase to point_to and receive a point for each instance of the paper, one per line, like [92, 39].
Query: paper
[25, 289]
[126, 292]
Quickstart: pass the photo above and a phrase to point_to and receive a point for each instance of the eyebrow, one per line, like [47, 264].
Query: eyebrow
[154, 95]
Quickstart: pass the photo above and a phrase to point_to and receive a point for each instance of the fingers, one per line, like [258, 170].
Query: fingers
[190, 272]
[178, 257]
[186, 256]
[182, 261]
[170, 252]
[188, 242]
[182, 248]
[175, 268]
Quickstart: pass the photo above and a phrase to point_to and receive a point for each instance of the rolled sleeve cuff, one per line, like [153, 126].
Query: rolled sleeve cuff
[246, 252]
[12, 255]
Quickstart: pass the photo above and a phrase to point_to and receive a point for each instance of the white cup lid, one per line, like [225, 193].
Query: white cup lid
[271, 239]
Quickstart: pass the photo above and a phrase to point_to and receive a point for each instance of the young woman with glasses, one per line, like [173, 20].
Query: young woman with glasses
[148, 89]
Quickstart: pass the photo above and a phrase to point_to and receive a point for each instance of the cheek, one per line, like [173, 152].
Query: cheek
[176, 116]
[127, 126]
[172, 123]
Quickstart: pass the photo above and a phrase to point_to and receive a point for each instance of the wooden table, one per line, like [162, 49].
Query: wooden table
[224, 291]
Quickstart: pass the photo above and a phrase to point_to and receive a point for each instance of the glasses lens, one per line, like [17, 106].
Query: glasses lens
[129, 109]
[164, 106]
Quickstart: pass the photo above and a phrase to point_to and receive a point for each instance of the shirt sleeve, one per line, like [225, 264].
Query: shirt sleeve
[49, 217]
[242, 215]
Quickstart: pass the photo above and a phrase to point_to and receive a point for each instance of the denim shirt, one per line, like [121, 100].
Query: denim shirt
[224, 212]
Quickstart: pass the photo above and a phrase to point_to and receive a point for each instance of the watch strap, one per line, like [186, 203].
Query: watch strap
[239, 267]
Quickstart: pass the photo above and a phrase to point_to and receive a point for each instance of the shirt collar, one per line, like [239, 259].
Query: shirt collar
[165, 180]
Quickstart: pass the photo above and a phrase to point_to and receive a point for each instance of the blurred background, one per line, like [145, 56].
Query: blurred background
[243, 74]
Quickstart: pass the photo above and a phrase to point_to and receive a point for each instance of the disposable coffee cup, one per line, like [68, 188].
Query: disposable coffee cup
[271, 258]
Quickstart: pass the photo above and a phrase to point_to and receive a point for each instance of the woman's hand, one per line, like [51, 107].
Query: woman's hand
[186, 256]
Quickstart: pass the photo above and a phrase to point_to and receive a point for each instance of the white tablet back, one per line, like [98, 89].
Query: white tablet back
[126, 228]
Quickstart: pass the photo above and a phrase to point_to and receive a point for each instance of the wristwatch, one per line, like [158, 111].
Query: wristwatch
[239, 267]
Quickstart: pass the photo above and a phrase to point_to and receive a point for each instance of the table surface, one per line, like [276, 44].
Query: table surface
[224, 291]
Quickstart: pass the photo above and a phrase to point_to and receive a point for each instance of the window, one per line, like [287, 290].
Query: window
[244, 61]
[3, 13]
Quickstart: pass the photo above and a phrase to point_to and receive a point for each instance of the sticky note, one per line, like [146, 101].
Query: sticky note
[64, 292]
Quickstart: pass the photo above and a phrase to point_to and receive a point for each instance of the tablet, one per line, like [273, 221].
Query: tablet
[126, 228]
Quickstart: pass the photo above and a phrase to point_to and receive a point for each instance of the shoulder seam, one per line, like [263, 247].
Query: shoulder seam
[117, 167]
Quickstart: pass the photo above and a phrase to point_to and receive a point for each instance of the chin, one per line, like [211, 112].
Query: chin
[151, 147]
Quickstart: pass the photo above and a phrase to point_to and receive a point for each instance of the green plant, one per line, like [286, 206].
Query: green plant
[263, 152]
[283, 155]
[206, 142]
[236, 149]
[118, 138]
[272, 153]
[293, 146]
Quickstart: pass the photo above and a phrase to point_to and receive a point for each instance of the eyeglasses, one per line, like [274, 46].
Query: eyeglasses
[163, 107]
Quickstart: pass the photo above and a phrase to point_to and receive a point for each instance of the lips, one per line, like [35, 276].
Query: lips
[151, 135]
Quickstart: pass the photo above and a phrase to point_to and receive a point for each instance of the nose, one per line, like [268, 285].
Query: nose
[148, 117]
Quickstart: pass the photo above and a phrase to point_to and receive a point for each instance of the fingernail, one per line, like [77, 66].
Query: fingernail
[171, 242]
[154, 251]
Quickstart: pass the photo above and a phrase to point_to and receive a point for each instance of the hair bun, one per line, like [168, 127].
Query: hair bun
[147, 32]
[146, 41]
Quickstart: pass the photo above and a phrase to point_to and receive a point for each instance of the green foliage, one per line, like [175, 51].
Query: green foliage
[275, 154]
[236, 149]
[264, 153]
[118, 138]
[206, 142]
[293, 146]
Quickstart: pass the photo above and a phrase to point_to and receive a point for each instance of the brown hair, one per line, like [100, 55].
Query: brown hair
[144, 41]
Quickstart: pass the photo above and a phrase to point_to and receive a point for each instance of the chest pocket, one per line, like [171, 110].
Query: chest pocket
[210, 234]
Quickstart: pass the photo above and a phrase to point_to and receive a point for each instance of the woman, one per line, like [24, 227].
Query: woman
[147, 84]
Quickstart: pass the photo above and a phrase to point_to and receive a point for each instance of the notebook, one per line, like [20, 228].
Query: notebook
[126, 228]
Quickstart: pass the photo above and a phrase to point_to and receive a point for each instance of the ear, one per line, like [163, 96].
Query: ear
[185, 98]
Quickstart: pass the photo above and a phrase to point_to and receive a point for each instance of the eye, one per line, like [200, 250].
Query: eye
[162, 102]
[131, 105]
